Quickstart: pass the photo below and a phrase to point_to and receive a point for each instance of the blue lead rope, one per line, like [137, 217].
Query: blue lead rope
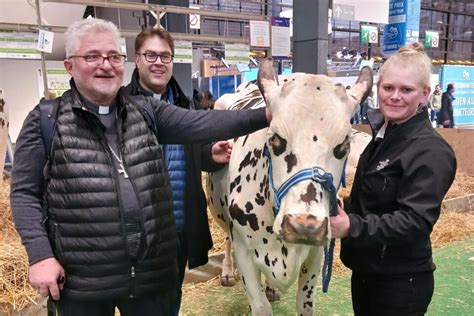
[325, 179]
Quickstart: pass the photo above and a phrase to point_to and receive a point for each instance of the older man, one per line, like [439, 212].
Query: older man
[95, 213]
[153, 76]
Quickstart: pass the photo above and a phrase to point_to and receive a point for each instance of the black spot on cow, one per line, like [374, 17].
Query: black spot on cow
[284, 251]
[247, 178]
[226, 200]
[231, 229]
[256, 253]
[255, 176]
[265, 241]
[313, 276]
[319, 88]
[259, 199]
[248, 161]
[267, 261]
[309, 303]
[234, 183]
[274, 276]
[222, 202]
[245, 140]
[284, 274]
[278, 144]
[221, 217]
[269, 229]
[243, 280]
[248, 207]
[315, 138]
[274, 262]
[305, 288]
[284, 264]
[239, 189]
[310, 194]
[320, 195]
[341, 150]
[262, 223]
[249, 236]
[291, 161]
[236, 213]
[257, 153]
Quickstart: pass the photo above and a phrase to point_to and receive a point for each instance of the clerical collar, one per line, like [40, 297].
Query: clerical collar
[99, 109]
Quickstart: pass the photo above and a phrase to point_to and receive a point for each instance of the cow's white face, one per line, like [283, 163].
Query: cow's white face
[310, 128]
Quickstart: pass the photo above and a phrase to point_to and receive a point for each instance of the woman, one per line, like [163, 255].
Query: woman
[401, 179]
[435, 102]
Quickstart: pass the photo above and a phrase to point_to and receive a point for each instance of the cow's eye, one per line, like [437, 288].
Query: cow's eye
[278, 144]
[341, 150]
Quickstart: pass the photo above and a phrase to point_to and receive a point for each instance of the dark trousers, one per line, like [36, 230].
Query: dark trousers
[182, 261]
[151, 305]
[407, 296]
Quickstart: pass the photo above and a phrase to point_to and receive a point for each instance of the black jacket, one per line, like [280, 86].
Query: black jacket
[446, 111]
[198, 158]
[396, 199]
[77, 218]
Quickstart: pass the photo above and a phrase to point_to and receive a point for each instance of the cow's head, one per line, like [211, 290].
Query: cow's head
[311, 131]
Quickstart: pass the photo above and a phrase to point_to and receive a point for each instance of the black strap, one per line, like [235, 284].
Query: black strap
[48, 116]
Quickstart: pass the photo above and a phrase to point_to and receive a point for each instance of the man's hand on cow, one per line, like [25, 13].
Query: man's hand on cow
[221, 152]
[340, 224]
[47, 277]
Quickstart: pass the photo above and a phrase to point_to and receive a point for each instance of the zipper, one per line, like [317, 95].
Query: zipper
[382, 255]
[135, 190]
[132, 282]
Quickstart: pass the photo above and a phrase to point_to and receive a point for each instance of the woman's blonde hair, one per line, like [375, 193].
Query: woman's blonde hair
[412, 55]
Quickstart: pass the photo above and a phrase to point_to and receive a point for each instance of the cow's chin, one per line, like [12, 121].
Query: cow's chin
[304, 229]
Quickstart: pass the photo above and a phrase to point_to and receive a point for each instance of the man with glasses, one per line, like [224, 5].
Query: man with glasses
[153, 76]
[95, 213]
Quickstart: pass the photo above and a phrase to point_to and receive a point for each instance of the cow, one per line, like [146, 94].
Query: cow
[275, 196]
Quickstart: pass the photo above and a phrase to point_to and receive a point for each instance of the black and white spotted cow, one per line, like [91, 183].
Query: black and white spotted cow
[309, 133]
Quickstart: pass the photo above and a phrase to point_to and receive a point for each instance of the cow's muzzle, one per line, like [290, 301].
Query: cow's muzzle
[304, 229]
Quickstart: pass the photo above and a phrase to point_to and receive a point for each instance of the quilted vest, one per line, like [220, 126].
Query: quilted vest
[85, 223]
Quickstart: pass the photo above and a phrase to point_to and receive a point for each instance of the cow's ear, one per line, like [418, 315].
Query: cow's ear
[267, 82]
[361, 89]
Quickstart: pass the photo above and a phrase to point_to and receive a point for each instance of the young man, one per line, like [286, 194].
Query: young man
[153, 76]
[445, 115]
[96, 214]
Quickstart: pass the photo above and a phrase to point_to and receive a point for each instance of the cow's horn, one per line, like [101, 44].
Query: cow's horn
[267, 80]
[361, 89]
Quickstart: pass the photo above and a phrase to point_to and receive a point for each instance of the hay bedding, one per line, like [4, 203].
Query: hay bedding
[16, 293]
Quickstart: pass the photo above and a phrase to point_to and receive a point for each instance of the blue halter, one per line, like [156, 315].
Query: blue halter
[325, 179]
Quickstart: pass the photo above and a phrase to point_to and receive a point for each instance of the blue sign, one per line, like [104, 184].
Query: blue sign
[277, 21]
[463, 79]
[404, 25]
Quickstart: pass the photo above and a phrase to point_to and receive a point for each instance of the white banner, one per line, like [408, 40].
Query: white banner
[183, 52]
[236, 53]
[22, 45]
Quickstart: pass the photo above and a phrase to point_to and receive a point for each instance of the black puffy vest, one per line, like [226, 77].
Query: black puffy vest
[85, 218]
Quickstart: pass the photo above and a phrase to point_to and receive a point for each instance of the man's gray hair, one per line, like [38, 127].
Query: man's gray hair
[80, 28]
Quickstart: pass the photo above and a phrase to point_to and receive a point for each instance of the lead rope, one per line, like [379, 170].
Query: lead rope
[329, 251]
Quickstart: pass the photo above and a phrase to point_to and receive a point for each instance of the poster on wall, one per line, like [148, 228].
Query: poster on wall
[259, 34]
[281, 45]
[58, 82]
[19, 45]
[463, 79]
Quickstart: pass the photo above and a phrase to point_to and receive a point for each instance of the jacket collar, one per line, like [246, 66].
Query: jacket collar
[376, 120]
[173, 88]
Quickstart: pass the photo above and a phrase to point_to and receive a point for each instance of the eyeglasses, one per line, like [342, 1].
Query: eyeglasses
[116, 60]
[153, 57]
